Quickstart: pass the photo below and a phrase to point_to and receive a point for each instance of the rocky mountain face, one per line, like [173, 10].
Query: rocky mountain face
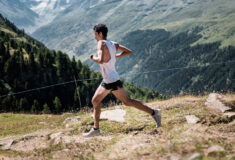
[46, 10]
[18, 13]
[72, 30]
[33, 14]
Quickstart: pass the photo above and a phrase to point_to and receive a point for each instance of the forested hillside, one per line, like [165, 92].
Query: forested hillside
[26, 64]
[179, 66]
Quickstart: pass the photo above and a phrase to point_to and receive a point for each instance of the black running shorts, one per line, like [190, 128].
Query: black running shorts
[112, 86]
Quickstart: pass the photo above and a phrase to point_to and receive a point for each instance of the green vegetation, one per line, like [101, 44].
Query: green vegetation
[161, 50]
[20, 124]
[27, 64]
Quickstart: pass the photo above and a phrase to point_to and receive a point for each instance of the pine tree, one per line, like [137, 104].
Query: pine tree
[2, 54]
[46, 109]
[23, 104]
[57, 104]
[75, 102]
[35, 107]
[7, 104]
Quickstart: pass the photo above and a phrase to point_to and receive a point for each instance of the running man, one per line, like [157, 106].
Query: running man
[106, 58]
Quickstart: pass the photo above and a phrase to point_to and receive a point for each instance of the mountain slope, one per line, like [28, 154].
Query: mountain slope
[32, 14]
[192, 34]
[18, 13]
[168, 63]
[72, 30]
[46, 10]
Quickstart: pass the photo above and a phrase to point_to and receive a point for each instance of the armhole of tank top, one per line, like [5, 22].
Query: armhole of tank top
[114, 46]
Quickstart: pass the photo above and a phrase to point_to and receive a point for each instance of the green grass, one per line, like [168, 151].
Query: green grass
[19, 124]
[8, 31]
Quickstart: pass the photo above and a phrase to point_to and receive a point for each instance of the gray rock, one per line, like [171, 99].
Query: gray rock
[135, 133]
[174, 157]
[71, 119]
[27, 137]
[194, 156]
[56, 135]
[192, 119]
[9, 144]
[214, 101]
[230, 115]
[66, 150]
[214, 149]
[113, 115]
[67, 125]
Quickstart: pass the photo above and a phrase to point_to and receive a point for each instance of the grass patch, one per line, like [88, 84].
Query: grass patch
[12, 153]
[230, 104]
[8, 31]
[19, 124]
[48, 152]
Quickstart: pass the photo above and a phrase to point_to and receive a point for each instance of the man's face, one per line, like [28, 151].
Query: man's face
[98, 36]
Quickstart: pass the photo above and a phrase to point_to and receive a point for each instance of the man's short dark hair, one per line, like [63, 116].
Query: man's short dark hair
[101, 28]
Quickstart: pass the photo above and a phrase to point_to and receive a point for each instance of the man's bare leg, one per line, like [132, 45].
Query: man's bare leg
[99, 95]
[123, 96]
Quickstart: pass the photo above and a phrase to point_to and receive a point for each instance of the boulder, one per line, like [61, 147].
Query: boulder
[192, 119]
[230, 115]
[194, 156]
[113, 115]
[71, 119]
[214, 101]
[214, 149]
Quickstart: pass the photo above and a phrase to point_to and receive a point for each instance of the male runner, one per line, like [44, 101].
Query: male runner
[107, 54]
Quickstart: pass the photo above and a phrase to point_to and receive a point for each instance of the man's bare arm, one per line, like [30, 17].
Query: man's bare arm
[100, 58]
[124, 51]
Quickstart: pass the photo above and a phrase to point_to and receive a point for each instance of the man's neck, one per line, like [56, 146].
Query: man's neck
[102, 40]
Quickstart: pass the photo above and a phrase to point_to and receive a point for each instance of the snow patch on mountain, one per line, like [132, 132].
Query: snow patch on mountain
[47, 11]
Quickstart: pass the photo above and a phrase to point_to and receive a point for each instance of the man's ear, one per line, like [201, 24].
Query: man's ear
[101, 34]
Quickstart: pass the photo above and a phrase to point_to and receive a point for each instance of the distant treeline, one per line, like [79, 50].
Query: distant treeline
[27, 64]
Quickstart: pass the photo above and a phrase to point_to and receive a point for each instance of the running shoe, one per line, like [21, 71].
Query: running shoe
[92, 133]
[157, 117]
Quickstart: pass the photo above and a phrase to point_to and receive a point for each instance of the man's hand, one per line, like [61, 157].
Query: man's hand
[91, 57]
[98, 58]
[124, 50]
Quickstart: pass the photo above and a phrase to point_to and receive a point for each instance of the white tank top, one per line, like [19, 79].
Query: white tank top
[107, 69]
